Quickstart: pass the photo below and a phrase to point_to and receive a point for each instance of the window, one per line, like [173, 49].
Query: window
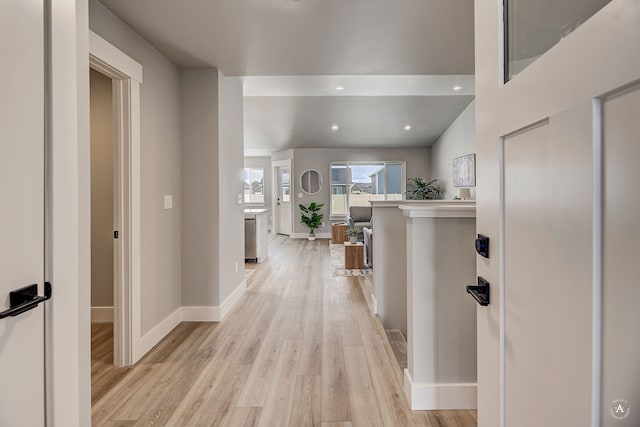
[357, 183]
[254, 186]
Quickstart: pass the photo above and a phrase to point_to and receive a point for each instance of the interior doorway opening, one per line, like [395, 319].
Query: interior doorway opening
[103, 222]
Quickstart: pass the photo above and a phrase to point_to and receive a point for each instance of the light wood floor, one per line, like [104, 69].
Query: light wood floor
[299, 349]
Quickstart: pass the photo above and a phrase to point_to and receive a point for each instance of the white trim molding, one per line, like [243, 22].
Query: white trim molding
[214, 313]
[101, 314]
[209, 313]
[374, 304]
[427, 397]
[232, 299]
[155, 335]
[126, 74]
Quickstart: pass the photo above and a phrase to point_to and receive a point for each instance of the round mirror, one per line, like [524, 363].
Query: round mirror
[311, 182]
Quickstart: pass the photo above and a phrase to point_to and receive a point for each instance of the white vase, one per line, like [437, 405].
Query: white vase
[312, 236]
[353, 239]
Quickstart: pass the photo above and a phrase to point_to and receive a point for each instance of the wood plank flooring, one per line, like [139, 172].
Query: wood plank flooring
[299, 349]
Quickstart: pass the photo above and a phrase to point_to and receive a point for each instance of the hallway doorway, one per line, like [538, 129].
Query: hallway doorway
[103, 202]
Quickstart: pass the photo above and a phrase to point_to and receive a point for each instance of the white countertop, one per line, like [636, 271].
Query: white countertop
[397, 203]
[440, 210]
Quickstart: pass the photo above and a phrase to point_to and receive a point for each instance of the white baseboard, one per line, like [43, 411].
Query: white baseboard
[232, 299]
[189, 314]
[374, 307]
[326, 235]
[427, 397]
[155, 335]
[214, 313]
[205, 313]
[102, 314]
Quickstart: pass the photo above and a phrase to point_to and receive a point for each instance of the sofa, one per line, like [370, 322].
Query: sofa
[360, 217]
[368, 246]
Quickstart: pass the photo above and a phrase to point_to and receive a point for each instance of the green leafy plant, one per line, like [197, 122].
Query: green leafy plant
[351, 232]
[310, 216]
[419, 189]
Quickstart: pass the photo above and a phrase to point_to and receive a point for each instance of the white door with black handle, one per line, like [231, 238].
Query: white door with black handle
[22, 150]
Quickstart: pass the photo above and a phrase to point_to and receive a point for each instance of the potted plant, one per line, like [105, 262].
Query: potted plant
[419, 189]
[311, 218]
[352, 233]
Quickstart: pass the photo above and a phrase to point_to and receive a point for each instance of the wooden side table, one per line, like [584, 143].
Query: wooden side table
[337, 233]
[353, 255]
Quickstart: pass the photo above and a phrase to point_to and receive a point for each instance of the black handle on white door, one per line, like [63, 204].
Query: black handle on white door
[25, 299]
[480, 293]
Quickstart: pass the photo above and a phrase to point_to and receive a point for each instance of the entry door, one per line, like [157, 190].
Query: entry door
[22, 209]
[558, 151]
[284, 200]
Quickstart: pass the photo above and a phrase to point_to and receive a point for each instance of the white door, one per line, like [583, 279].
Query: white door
[558, 195]
[283, 201]
[22, 209]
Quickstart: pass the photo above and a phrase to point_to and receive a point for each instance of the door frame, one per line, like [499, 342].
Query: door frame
[126, 75]
[275, 166]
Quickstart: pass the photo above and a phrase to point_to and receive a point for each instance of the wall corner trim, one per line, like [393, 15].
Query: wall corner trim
[425, 397]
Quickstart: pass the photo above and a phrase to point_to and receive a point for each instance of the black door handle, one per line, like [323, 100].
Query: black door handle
[25, 299]
[481, 292]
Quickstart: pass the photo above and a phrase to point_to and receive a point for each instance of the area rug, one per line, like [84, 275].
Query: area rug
[337, 264]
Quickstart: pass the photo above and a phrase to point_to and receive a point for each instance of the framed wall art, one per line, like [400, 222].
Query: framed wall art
[464, 171]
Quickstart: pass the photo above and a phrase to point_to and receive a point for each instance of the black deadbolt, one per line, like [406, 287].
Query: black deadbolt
[482, 245]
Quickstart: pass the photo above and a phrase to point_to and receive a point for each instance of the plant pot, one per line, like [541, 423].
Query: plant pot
[353, 239]
[312, 236]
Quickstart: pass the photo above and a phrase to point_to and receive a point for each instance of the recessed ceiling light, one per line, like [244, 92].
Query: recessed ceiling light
[334, 127]
[407, 127]
[457, 88]
[339, 87]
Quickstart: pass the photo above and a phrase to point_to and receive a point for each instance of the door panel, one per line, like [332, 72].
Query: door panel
[284, 200]
[22, 209]
[530, 321]
[621, 266]
[547, 233]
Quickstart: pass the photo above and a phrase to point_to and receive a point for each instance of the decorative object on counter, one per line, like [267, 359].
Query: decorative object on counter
[353, 235]
[419, 189]
[311, 182]
[463, 194]
[464, 171]
[311, 218]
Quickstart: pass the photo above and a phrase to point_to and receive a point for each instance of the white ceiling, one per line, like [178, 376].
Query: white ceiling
[308, 37]
[398, 61]
[276, 123]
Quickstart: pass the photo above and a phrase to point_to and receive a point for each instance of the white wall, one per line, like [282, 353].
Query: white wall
[230, 165]
[212, 163]
[200, 219]
[102, 147]
[417, 164]
[160, 153]
[458, 140]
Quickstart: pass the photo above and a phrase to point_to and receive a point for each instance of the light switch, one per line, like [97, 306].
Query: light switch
[299, 195]
[240, 198]
[168, 202]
